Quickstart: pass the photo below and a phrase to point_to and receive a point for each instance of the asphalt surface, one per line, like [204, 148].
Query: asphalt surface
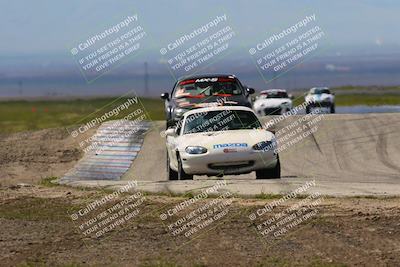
[348, 154]
[356, 148]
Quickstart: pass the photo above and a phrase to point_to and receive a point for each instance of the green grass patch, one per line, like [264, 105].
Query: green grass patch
[16, 116]
[359, 99]
[48, 181]
[37, 209]
[367, 99]
[366, 88]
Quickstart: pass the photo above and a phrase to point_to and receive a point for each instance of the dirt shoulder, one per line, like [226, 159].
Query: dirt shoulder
[27, 157]
[37, 230]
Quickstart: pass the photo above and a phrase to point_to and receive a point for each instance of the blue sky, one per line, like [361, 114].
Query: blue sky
[51, 27]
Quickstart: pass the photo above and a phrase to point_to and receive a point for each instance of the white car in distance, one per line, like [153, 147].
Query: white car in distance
[273, 102]
[219, 141]
[320, 97]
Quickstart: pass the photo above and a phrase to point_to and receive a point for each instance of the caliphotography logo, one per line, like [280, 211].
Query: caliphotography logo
[199, 133]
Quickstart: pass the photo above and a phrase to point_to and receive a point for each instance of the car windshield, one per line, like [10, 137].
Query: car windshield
[318, 91]
[201, 88]
[273, 94]
[213, 121]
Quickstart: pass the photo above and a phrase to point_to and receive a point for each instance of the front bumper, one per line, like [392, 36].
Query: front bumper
[265, 111]
[323, 104]
[273, 111]
[216, 163]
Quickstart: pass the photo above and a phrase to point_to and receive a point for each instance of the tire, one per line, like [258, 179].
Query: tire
[169, 124]
[308, 109]
[181, 173]
[172, 175]
[274, 173]
[333, 108]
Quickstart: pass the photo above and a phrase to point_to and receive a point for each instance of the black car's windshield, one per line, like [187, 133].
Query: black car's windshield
[318, 91]
[274, 94]
[205, 87]
[212, 121]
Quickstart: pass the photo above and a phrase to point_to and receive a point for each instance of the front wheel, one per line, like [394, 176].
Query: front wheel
[181, 173]
[308, 109]
[169, 124]
[333, 108]
[274, 173]
[172, 175]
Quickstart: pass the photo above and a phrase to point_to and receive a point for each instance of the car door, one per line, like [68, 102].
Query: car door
[172, 146]
[168, 104]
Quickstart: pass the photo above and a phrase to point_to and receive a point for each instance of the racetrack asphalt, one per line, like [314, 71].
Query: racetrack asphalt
[348, 155]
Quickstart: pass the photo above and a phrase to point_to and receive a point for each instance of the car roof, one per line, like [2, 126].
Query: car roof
[273, 90]
[219, 108]
[199, 76]
[320, 87]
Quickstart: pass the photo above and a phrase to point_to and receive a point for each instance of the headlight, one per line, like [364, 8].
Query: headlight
[179, 112]
[265, 145]
[195, 150]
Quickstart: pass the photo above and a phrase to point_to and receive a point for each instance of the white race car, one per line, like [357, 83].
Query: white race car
[218, 141]
[272, 102]
[319, 97]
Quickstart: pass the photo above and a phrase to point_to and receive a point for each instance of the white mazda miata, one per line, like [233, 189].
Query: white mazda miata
[273, 102]
[320, 97]
[218, 141]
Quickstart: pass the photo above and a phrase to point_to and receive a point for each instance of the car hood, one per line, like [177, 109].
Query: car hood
[191, 103]
[271, 102]
[240, 139]
[320, 97]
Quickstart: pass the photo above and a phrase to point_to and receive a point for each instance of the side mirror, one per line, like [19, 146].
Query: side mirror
[164, 96]
[291, 96]
[333, 93]
[170, 132]
[250, 91]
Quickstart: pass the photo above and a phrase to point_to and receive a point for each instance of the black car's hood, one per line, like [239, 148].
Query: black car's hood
[191, 103]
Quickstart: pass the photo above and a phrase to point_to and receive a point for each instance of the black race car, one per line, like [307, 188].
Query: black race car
[204, 91]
